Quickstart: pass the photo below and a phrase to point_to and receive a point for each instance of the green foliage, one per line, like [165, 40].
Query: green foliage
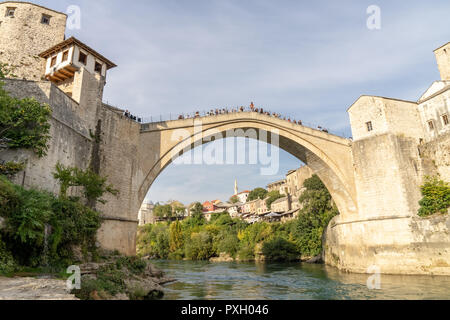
[176, 237]
[29, 214]
[200, 247]
[228, 244]
[280, 249]
[197, 218]
[154, 241]
[246, 252]
[9, 198]
[272, 197]
[24, 123]
[436, 197]
[221, 219]
[11, 168]
[7, 263]
[197, 208]
[258, 193]
[196, 239]
[163, 211]
[94, 186]
[317, 212]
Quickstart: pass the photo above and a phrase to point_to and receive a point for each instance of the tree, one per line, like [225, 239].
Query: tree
[24, 123]
[197, 209]
[258, 193]
[317, 212]
[94, 186]
[197, 218]
[176, 236]
[163, 211]
[280, 249]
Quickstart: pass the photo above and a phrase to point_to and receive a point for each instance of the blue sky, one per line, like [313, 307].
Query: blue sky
[309, 60]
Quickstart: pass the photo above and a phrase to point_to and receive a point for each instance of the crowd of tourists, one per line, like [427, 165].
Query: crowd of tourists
[128, 115]
[251, 108]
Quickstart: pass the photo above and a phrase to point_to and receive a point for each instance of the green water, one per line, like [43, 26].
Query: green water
[289, 281]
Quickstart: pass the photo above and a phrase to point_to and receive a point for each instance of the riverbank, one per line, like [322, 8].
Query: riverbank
[19, 288]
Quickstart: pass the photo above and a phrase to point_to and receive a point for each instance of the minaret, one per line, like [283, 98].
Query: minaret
[235, 187]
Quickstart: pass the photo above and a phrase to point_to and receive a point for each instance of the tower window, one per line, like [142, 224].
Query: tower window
[98, 67]
[369, 126]
[53, 62]
[445, 119]
[65, 56]
[431, 125]
[45, 19]
[10, 12]
[82, 58]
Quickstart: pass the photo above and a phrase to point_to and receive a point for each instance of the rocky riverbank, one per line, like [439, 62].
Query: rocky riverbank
[20, 288]
[121, 278]
[114, 278]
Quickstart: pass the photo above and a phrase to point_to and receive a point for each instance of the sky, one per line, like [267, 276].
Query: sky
[308, 60]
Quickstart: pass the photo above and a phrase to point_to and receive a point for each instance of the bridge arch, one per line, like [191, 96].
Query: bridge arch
[327, 155]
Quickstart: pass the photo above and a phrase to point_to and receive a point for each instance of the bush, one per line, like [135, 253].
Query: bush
[24, 123]
[280, 249]
[229, 244]
[29, 214]
[9, 169]
[436, 197]
[246, 252]
[7, 263]
[200, 247]
[9, 197]
[258, 193]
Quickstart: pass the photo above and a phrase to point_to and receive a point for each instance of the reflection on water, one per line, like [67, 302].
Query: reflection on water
[290, 281]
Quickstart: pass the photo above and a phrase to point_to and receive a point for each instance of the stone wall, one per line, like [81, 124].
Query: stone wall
[23, 37]
[386, 116]
[435, 157]
[433, 108]
[119, 162]
[443, 60]
[387, 176]
[410, 245]
[70, 142]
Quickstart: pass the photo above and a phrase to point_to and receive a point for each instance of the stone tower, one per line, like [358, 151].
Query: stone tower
[26, 30]
[443, 60]
[235, 187]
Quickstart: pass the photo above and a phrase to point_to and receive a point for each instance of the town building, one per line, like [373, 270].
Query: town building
[261, 207]
[243, 196]
[295, 180]
[209, 206]
[282, 205]
[279, 186]
[146, 215]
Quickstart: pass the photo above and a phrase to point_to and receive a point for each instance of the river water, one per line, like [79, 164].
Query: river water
[289, 281]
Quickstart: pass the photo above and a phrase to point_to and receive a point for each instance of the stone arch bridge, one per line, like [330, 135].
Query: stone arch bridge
[157, 145]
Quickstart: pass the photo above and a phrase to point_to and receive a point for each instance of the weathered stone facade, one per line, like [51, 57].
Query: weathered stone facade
[23, 36]
[443, 60]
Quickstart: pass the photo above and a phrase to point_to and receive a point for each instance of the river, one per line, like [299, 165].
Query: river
[289, 281]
